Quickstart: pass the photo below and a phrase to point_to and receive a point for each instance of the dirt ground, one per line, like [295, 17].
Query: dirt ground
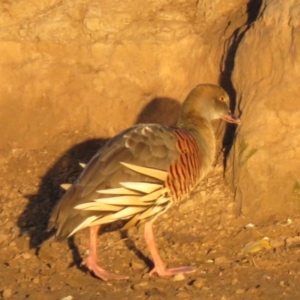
[202, 232]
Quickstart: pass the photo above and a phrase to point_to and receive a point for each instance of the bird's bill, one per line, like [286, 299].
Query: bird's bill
[230, 118]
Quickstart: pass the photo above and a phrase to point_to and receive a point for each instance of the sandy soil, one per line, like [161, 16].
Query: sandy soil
[202, 232]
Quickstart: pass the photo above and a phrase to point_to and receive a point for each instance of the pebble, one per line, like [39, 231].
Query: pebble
[249, 225]
[240, 291]
[178, 277]
[222, 233]
[234, 281]
[67, 298]
[203, 194]
[36, 280]
[221, 260]
[3, 238]
[45, 271]
[44, 255]
[7, 293]
[182, 295]
[12, 244]
[199, 283]
[16, 231]
[276, 243]
[137, 265]
[291, 240]
[26, 255]
[140, 285]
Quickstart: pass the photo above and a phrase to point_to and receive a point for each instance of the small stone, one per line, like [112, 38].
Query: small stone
[26, 255]
[143, 283]
[203, 194]
[291, 240]
[240, 291]
[281, 283]
[36, 280]
[249, 225]
[252, 289]
[234, 281]
[186, 205]
[7, 293]
[3, 238]
[276, 243]
[182, 295]
[137, 266]
[178, 277]
[230, 205]
[199, 283]
[16, 231]
[73, 283]
[67, 298]
[221, 260]
[46, 271]
[44, 255]
[140, 285]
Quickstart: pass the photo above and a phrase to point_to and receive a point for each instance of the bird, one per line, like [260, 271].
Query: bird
[142, 172]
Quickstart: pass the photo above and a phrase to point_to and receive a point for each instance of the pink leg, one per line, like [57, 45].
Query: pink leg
[91, 260]
[159, 266]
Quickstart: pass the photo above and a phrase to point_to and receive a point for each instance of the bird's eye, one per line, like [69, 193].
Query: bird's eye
[222, 98]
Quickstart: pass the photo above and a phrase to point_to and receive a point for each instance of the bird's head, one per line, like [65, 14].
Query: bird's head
[210, 102]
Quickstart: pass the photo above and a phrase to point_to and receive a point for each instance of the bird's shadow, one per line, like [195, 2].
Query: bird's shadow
[34, 219]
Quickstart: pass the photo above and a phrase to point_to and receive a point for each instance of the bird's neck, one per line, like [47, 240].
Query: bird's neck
[203, 133]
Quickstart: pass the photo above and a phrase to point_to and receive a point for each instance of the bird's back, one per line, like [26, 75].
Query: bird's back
[170, 150]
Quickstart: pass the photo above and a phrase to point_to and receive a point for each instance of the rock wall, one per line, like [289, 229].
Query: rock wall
[70, 66]
[265, 158]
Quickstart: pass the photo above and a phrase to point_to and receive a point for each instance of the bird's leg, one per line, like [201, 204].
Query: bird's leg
[91, 260]
[159, 266]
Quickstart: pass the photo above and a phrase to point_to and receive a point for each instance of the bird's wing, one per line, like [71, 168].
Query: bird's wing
[152, 147]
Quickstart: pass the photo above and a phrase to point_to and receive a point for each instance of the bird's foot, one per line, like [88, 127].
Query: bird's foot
[92, 265]
[163, 271]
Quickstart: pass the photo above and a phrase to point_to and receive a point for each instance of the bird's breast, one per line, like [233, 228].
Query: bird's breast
[184, 172]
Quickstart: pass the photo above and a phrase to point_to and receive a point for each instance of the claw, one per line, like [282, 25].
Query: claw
[100, 272]
[82, 165]
[171, 272]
